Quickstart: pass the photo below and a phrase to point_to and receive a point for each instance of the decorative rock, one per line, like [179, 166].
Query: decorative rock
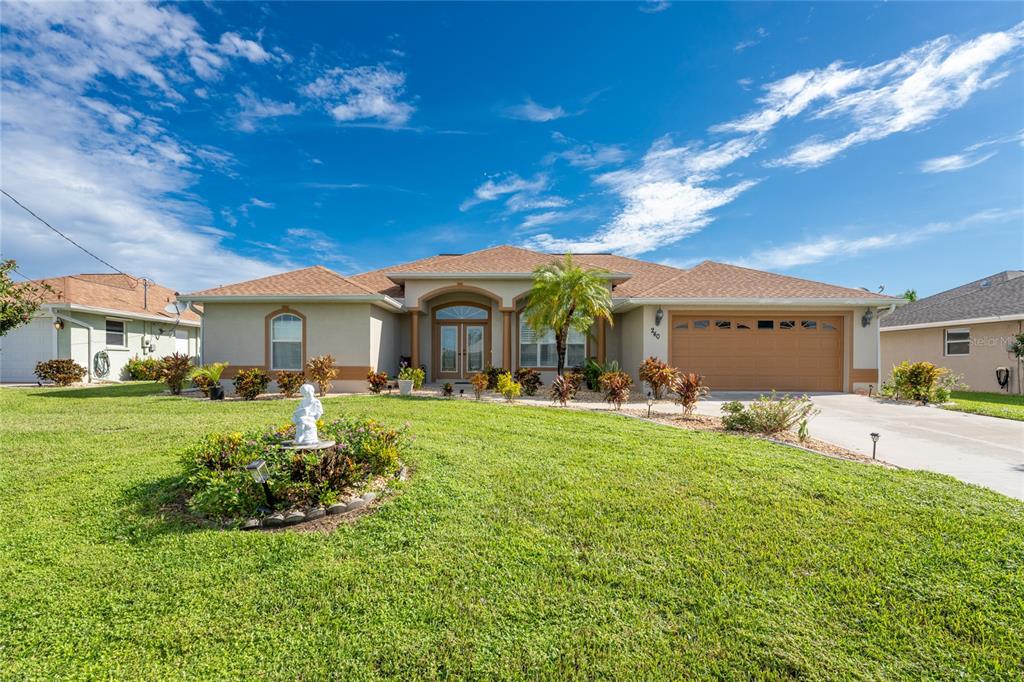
[274, 520]
[294, 517]
[315, 513]
[403, 474]
[357, 503]
[337, 508]
[251, 524]
[370, 497]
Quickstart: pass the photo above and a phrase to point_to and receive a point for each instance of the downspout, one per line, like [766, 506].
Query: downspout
[202, 331]
[882, 312]
[88, 332]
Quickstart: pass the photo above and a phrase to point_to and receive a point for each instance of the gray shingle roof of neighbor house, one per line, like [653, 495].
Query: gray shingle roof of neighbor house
[1000, 295]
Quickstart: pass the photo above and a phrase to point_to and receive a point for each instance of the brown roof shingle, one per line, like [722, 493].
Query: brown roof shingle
[113, 292]
[312, 281]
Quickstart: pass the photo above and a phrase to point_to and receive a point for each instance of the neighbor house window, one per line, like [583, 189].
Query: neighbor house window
[538, 350]
[286, 342]
[115, 333]
[958, 342]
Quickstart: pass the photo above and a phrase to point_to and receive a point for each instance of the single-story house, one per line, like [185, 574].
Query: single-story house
[101, 321]
[456, 314]
[968, 330]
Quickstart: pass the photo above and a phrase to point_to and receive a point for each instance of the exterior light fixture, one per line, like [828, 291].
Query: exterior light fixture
[865, 320]
[260, 474]
[650, 403]
[659, 315]
[58, 324]
[874, 443]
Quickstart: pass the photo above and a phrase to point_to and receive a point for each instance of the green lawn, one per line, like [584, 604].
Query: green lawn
[529, 543]
[1002, 405]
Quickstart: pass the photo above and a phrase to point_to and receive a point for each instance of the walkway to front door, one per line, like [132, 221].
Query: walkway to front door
[462, 333]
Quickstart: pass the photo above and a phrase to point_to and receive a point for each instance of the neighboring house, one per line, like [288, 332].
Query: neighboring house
[967, 329]
[457, 314]
[98, 321]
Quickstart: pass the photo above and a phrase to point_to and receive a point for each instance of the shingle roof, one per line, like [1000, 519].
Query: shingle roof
[998, 295]
[113, 292]
[645, 279]
[313, 281]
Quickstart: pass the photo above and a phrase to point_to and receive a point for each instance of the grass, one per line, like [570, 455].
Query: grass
[1003, 405]
[529, 543]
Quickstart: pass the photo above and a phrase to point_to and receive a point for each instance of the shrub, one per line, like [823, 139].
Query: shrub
[480, 382]
[944, 387]
[289, 383]
[592, 372]
[320, 371]
[492, 376]
[508, 387]
[207, 376]
[447, 390]
[658, 375]
[414, 374]
[616, 385]
[249, 383]
[689, 387]
[61, 372]
[768, 414]
[138, 369]
[529, 379]
[917, 380]
[1017, 346]
[378, 381]
[174, 370]
[575, 377]
[563, 389]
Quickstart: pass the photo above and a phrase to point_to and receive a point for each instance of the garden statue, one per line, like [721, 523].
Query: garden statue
[305, 416]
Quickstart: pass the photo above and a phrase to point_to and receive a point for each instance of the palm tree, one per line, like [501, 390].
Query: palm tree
[565, 296]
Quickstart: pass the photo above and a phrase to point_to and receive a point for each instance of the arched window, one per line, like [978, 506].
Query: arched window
[538, 350]
[286, 342]
[462, 312]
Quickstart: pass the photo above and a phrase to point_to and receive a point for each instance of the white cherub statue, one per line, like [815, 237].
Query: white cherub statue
[305, 416]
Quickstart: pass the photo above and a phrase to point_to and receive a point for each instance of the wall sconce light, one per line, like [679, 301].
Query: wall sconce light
[865, 319]
[659, 315]
[58, 324]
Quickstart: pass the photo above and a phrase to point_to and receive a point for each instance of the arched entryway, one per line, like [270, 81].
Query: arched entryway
[461, 339]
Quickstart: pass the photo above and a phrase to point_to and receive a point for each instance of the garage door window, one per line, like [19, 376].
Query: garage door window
[808, 324]
[701, 324]
[115, 333]
[766, 324]
[723, 324]
[787, 324]
[958, 342]
[828, 327]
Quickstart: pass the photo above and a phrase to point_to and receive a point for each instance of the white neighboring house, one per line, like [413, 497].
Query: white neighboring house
[100, 321]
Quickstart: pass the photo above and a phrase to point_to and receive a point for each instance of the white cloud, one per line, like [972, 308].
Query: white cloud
[838, 247]
[496, 188]
[116, 180]
[587, 156]
[971, 156]
[254, 202]
[254, 109]
[744, 44]
[654, 6]
[531, 111]
[665, 198]
[234, 45]
[364, 93]
[894, 96]
[525, 201]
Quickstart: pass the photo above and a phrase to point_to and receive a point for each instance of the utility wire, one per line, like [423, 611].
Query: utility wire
[33, 214]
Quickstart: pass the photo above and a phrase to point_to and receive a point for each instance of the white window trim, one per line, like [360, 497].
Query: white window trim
[537, 345]
[946, 341]
[124, 334]
[302, 350]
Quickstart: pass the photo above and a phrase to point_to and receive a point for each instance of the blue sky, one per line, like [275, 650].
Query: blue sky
[860, 144]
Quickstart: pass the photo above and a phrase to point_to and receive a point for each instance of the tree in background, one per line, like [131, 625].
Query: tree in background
[18, 302]
[910, 295]
[565, 296]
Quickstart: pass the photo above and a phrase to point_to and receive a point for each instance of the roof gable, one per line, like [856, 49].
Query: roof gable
[998, 295]
[312, 281]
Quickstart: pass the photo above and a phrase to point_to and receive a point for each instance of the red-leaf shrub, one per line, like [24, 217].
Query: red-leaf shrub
[61, 372]
[249, 383]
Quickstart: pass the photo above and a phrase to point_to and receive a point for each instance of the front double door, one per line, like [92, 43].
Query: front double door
[460, 349]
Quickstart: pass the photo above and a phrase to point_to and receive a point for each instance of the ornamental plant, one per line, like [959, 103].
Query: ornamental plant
[480, 382]
[321, 371]
[917, 380]
[414, 374]
[689, 387]
[377, 381]
[249, 383]
[289, 383]
[207, 376]
[562, 390]
[138, 369]
[492, 376]
[658, 375]
[769, 414]
[447, 390]
[615, 386]
[175, 370]
[529, 379]
[61, 372]
[508, 387]
[18, 302]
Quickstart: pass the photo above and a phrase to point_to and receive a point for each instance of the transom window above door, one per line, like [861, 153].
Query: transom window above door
[462, 312]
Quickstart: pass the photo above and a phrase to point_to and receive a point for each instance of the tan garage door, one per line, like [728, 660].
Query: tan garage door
[790, 352]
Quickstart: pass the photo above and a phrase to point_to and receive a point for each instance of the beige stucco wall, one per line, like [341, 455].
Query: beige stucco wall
[989, 344]
[505, 290]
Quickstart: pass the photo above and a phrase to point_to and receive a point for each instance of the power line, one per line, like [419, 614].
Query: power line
[33, 214]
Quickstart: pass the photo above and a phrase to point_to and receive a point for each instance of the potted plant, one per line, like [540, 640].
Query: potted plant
[208, 377]
[409, 378]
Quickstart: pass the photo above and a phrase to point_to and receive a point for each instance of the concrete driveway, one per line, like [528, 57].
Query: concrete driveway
[976, 449]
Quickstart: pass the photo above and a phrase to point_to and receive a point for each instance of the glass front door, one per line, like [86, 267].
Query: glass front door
[462, 339]
[474, 349]
[448, 352]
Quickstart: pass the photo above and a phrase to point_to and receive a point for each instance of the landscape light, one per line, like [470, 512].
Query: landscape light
[260, 474]
[874, 443]
[650, 403]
